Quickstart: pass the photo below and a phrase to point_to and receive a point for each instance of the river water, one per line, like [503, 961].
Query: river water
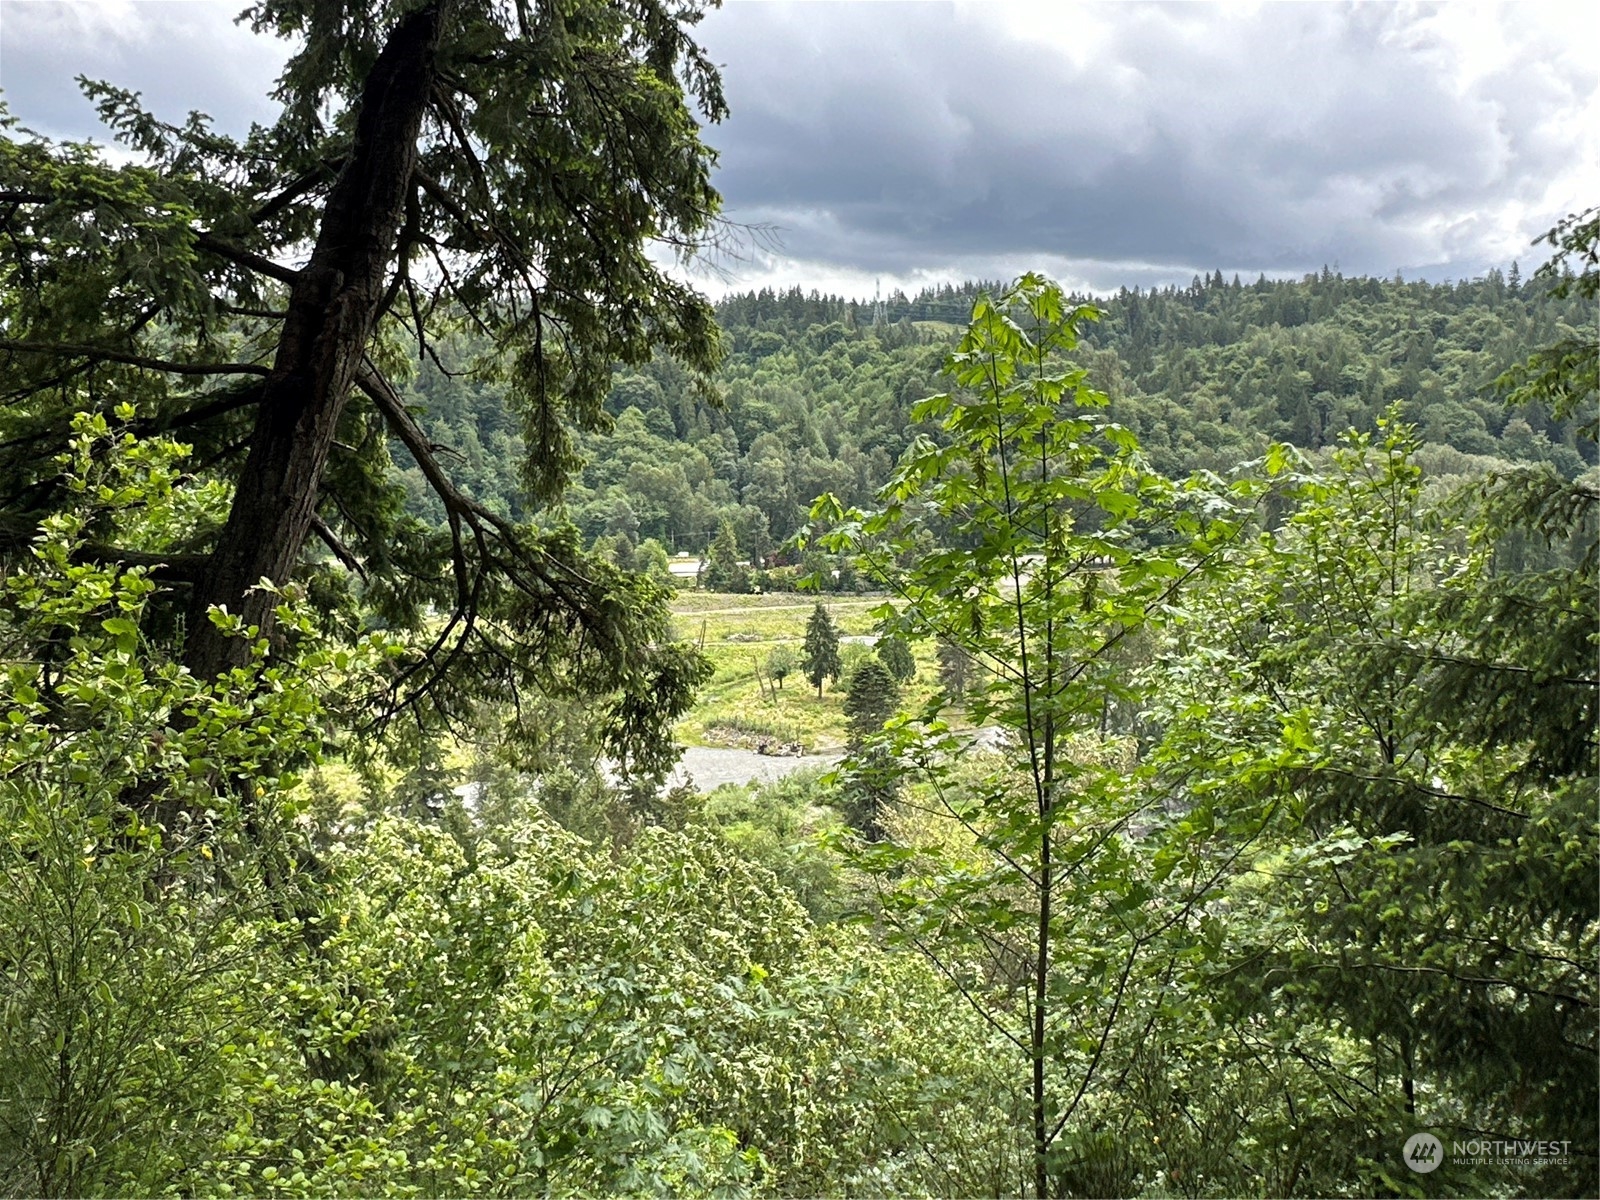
[709, 766]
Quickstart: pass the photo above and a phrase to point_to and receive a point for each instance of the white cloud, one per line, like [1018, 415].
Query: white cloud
[182, 55]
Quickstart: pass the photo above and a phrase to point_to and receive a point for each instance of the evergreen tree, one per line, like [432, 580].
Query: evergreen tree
[896, 656]
[1426, 714]
[169, 280]
[871, 696]
[870, 782]
[955, 669]
[820, 657]
[725, 570]
[1565, 375]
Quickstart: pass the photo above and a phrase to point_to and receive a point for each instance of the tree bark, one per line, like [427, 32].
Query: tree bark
[334, 305]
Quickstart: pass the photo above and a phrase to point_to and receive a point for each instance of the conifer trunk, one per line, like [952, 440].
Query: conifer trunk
[333, 307]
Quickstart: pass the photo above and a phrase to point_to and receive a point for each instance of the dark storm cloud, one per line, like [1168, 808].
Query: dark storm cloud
[1110, 144]
[891, 137]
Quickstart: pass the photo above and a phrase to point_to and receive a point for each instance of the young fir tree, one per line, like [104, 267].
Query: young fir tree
[896, 657]
[955, 669]
[725, 571]
[871, 697]
[820, 657]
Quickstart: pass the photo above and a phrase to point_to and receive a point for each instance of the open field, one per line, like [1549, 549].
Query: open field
[739, 632]
[695, 603]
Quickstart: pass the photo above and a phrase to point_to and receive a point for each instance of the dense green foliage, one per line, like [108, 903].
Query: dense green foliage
[1281, 848]
[310, 994]
[1433, 800]
[1295, 833]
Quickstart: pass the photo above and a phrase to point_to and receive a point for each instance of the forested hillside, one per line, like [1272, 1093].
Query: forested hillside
[817, 394]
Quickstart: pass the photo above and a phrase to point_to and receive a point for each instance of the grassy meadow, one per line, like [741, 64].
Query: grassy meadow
[739, 632]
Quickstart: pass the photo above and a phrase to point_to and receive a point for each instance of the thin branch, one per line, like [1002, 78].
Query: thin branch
[295, 190]
[104, 354]
[441, 196]
[1482, 981]
[222, 405]
[223, 248]
[340, 550]
[1105, 1037]
[244, 310]
[1414, 786]
[1435, 656]
[186, 568]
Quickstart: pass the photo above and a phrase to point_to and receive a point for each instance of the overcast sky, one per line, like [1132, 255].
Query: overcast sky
[1109, 144]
